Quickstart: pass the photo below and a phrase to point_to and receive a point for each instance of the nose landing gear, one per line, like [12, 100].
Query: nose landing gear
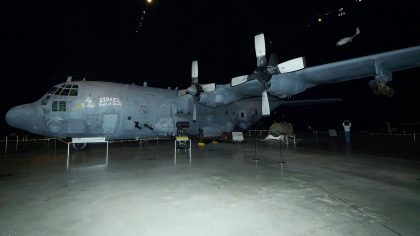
[79, 146]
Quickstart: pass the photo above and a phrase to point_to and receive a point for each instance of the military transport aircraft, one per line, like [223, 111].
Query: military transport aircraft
[123, 111]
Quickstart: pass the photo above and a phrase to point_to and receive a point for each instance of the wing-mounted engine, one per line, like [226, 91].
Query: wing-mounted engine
[220, 97]
[382, 77]
[264, 71]
[196, 89]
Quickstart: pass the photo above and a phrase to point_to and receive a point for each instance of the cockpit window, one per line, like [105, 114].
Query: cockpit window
[62, 106]
[52, 90]
[65, 90]
[58, 106]
[58, 91]
[73, 92]
[54, 106]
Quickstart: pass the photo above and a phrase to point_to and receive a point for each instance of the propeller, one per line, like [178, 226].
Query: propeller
[196, 89]
[265, 71]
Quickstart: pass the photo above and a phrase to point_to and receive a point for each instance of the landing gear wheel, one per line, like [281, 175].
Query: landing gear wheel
[79, 146]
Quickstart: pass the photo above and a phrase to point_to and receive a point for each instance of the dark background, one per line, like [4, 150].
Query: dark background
[44, 42]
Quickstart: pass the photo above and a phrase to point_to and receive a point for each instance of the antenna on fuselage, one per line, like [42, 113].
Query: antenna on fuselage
[144, 84]
[69, 79]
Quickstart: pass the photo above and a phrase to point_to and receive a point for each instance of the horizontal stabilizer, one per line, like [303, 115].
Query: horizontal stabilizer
[310, 102]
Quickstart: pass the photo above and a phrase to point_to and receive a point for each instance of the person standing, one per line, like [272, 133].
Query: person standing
[346, 126]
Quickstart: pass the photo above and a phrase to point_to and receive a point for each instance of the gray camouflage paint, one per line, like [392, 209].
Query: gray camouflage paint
[112, 110]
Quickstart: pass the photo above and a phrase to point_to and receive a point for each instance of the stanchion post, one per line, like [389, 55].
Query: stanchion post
[106, 148]
[68, 156]
[17, 142]
[190, 152]
[157, 144]
[107, 156]
[5, 148]
[175, 150]
[281, 155]
[255, 151]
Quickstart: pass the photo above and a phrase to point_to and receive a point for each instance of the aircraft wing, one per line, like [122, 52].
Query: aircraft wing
[380, 65]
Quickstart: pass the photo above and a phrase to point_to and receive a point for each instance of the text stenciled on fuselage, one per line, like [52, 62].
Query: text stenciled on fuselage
[109, 101]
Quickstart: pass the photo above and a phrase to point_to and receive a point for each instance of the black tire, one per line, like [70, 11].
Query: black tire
[79, 146]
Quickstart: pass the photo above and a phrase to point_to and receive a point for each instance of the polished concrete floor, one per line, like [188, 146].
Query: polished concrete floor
[370, 187]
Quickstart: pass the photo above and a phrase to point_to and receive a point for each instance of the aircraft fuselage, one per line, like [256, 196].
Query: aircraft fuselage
[122, 111]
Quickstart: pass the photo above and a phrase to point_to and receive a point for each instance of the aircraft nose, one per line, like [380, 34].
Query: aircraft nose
[13, 116]
[25, 117]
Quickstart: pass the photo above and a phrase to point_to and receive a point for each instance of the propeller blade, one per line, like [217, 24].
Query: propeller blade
[208, 87]
[194, 112]
[182, 92]
[265, 104]
[292, 65]
[260, 50]
[238, 80]
[194, 72]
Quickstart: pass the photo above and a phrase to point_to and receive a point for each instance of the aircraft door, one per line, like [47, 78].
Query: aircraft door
[109, 123]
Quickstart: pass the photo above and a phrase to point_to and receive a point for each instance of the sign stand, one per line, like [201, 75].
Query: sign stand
[86, 140]
[182, 141]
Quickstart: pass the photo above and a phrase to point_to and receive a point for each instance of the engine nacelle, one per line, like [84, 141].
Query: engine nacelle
[219, 97]
[378, 85]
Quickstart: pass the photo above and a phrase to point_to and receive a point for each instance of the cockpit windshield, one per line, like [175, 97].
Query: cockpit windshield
[65, 90]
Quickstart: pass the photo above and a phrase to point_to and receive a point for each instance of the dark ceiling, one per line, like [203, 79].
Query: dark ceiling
[102, 40]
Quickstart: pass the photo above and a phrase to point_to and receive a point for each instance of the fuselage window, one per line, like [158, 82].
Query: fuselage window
[62, 106]
[54, 106]
[227, 112]
[242, 114]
